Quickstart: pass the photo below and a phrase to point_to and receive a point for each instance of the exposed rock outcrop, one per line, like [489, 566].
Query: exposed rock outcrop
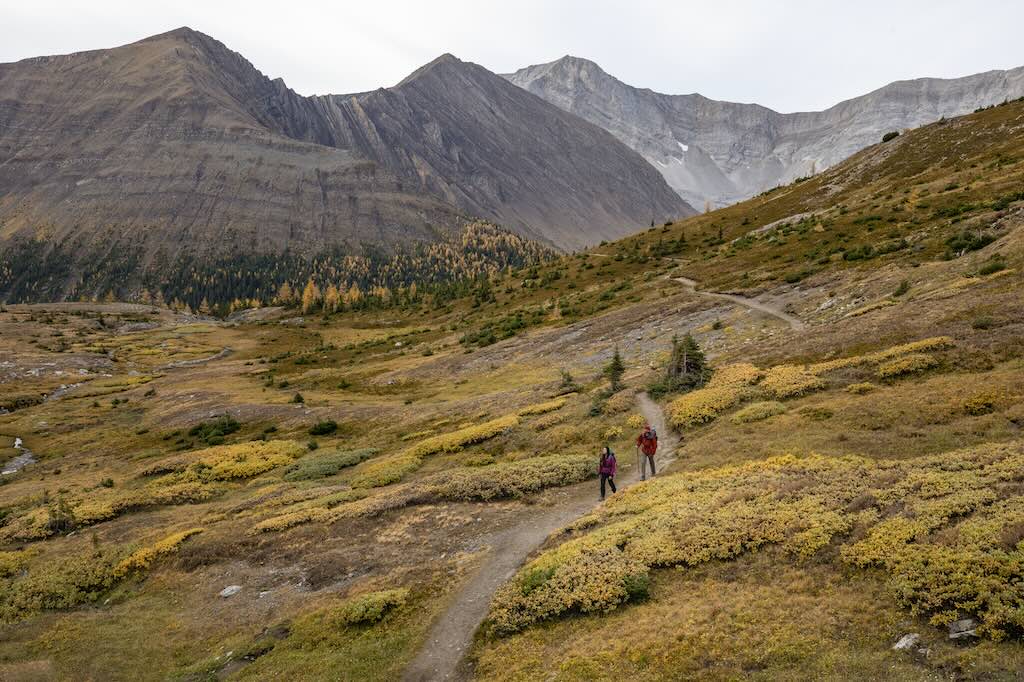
[723, 152]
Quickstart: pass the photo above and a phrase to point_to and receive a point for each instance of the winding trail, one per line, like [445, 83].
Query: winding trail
[795, 323]
[442, 656]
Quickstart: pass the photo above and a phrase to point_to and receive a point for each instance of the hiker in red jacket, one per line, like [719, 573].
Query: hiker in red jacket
[647, 443]
[606, 469]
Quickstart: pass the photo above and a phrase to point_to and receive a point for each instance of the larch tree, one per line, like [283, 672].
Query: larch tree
[310, 296]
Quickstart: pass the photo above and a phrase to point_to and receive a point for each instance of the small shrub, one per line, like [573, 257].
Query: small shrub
[983, 403]
[636, 421]
[323, 428]
[612, 433]
[298, 399]
[213, 432]
[861, 388]
[902, 289]
[908, 364]
[326, 464]
[370, 607]
[543, 408]
[984, 322]
[991, 267]
[758, 412]
[142, 559]
[387, 470]
[456, 440]
[790, 381]
[704, 405]
[817, 414]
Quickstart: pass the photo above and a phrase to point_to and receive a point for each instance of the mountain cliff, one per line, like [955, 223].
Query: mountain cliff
[175, 149]
[723, 152]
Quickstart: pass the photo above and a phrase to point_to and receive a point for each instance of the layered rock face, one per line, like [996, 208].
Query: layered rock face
[724, 152]
[176, 143]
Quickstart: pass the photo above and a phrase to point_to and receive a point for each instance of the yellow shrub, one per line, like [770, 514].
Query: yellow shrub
[450, 442]
[227, 462]
[803, 505]
[758, 412]
[13, 562]
[739, 373]
[502, 480]
[547, 421]
[790, 381]
[612, 433]
[143, 558]
[922, 346]
[983, 403]
[291, 519]
[386, 470]
[703, 405]
[509, 479]
[636, 421]
[597, 580]
[861, 388]
[907, 364]
[542, 408]
[157, 493]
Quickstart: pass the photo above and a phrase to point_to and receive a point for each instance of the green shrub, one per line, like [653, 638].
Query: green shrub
[213, 432]
[890, 136]
[326, 464]
[966, 241]
[991, 267]
[324, 428]
[367, 608]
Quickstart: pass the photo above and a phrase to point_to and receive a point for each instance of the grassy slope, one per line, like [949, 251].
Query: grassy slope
[398, 378]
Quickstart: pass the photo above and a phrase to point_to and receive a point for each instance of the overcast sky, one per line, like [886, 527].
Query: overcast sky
[789, 55]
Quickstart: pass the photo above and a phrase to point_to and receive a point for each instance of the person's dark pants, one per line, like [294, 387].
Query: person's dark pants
[647, 459]
[611, 482]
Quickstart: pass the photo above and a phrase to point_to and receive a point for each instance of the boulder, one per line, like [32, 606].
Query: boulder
[962, 629]
[907, 641]
[230, 591]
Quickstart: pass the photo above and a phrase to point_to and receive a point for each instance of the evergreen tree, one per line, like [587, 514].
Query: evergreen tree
[686, 370]
[614, 370]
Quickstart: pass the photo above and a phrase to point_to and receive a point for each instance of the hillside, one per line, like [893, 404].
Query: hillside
[166, 162]
[344, 495]
[724, 152]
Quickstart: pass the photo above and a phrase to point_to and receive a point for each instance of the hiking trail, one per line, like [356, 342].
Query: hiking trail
[795, 323]
[442, 656]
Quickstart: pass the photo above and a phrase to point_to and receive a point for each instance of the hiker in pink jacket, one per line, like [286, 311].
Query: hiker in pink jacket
[606, 469]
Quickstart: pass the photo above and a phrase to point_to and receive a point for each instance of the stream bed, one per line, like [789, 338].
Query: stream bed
[23, 459]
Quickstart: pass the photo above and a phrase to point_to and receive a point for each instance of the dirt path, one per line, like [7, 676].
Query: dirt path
[443, 653]
[753, 304]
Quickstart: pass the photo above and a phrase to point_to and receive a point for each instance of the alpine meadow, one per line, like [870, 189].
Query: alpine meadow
[330, 387]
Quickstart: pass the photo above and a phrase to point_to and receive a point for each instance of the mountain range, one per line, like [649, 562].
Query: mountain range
[176, 144]
[718, 153]
[167, 162]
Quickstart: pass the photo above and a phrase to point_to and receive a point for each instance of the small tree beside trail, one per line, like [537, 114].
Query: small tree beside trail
[614, 371]
[686, 370]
